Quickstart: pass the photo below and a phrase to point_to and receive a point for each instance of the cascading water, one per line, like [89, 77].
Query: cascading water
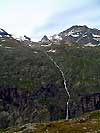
[64, 81]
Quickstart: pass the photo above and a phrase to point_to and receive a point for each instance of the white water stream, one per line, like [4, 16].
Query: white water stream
[64, 81]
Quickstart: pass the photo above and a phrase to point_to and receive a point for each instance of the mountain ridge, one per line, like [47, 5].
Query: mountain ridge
[32, 88]
[78, 34]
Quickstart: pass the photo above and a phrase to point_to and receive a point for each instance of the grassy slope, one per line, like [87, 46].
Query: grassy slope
[29, 69]
[23, 68]
[88, 123]
[81, 67]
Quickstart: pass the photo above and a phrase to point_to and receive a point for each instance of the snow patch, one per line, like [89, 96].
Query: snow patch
[75, 35]
[35, 52]
[56, 37]
[52, 50]
[7, 35]
[48, 45]
[0, 45]
[90, 45]
[18, 38]
[70, 33]
[3, 40]
[96, 39]
[84, 35]
[8, 47]
[95, 35]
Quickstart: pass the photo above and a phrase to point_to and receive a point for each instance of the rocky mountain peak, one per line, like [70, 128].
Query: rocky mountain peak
[81, 35]
[4, 33]
[78, 28]
[45, 39]
[27, 38]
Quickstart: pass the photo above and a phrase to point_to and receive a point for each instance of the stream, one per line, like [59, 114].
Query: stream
[64, 82]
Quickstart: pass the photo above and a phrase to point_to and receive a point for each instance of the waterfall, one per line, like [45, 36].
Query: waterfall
[64, 81]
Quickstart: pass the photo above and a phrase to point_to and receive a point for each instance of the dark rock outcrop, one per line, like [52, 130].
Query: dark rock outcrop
[27, 38]
[3, 33]
[45, 40]
[85, 103]
[46, 104]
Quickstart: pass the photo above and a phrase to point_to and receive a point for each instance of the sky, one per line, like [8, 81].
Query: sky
[36, 18]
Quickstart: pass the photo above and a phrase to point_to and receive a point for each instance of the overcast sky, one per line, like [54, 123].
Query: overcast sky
[35, 18]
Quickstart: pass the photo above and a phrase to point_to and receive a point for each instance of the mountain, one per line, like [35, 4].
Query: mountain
[45, 40]
[56, 39]
[79, 34]
[27, 38]
[32, 80]
[4, 33]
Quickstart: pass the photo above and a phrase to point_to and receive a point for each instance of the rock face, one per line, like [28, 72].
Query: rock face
[78, 34]
[17, 107]
[46, 104]
[3, 33]
[45, 40]
[90, 102]
[81, 35]
[86, 103]
[27, 38]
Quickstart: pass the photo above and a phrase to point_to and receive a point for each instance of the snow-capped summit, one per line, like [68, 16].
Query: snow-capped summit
[81, 35]
[55, 37]
[76, 34]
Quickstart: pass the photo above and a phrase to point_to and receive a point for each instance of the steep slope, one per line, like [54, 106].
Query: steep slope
[80, 35]
[21, 66]
[45, 40]
[31, 87]
[3, 33]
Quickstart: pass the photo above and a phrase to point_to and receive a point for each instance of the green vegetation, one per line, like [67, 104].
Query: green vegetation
[29, 68]
[22, 68]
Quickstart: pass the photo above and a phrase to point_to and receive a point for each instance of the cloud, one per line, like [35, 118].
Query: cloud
[85, 14]
[38, 17]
